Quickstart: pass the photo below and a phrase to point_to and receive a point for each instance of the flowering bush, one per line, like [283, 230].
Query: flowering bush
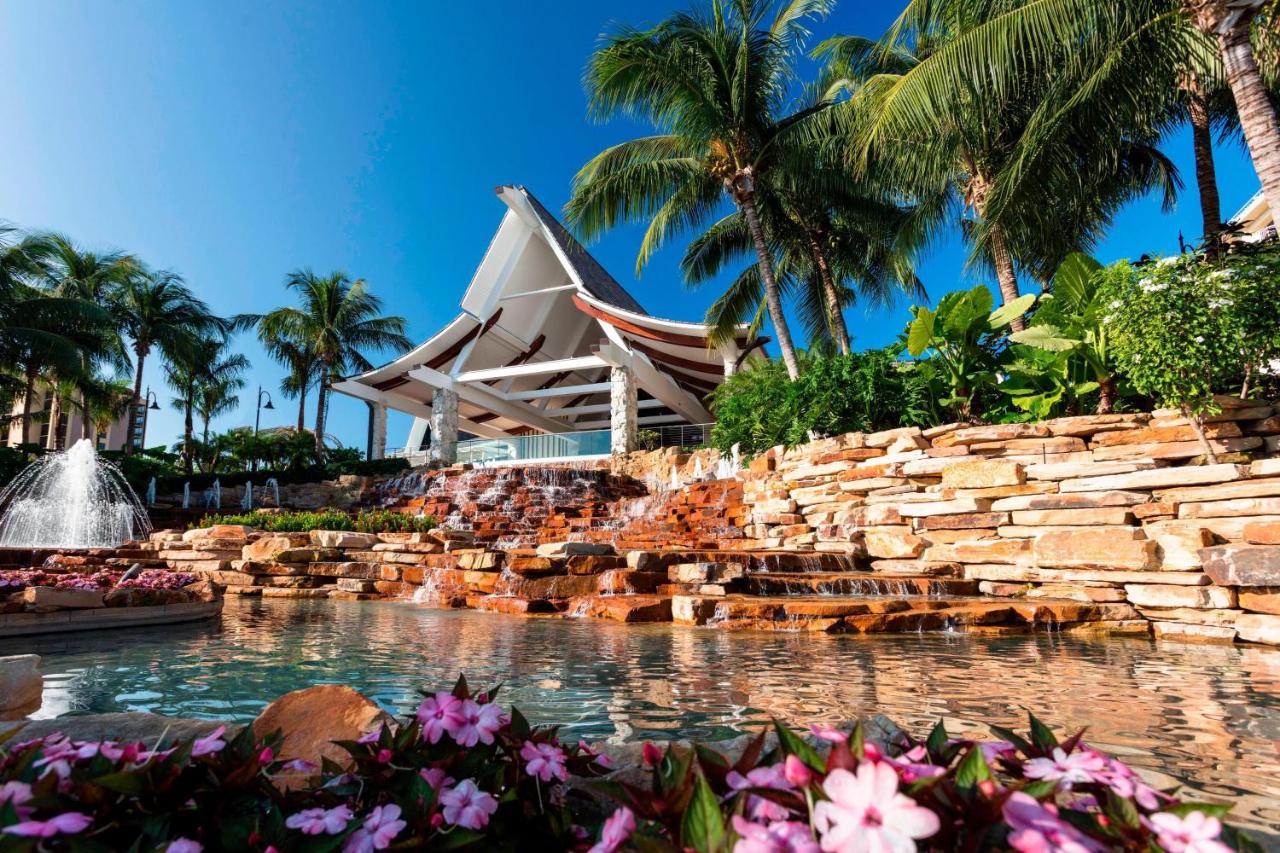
[14, 580]
[461, 772]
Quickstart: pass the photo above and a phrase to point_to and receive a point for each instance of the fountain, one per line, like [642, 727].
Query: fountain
[186, 495]
[71, 499]
[274, 486]
[151, 492]
[246, 503]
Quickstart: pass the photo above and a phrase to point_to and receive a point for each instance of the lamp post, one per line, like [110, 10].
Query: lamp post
[257, 416]
[149, 404]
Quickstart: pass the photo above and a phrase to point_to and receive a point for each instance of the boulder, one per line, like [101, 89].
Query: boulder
[1259, 628]
[312, 718]
[573, 549]
[343, 539]
[1167, 595]
[1096, 549]
[1242, 565]
[268, 548]
[21, 685]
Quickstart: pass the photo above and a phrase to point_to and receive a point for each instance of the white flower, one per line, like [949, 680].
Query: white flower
[1199, 339]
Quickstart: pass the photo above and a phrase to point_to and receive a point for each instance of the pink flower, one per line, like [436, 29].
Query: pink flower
[209, 744]
[913, 765]
[616, 830]
[321, 821]
[544, 760]
[1125, 783]
[651, 754]
[380, 828]
[796, 771]
[1195, 833]
[778, 837]
[375, 735]
[16, 793]
[866, 812]
[467, 806]
[384, 756]
[1082, 767]
[479, 722]
[774, 777]
[1037, 828]
[435, 777]
[602, 760]
[993, 749]
[68, 823]
[184, 845]
[267, 755]
[829, 734]
[300, 765]
[440, 714]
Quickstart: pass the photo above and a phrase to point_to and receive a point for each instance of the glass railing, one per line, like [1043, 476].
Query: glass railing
[538, 446]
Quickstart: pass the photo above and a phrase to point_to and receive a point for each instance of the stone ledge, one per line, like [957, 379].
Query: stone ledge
[25, 624]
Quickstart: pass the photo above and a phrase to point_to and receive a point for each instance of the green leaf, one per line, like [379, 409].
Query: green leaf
[1041, 735]
[122, 783]
[1218, 810]
[793, 744]
[973, 769]
[1045, 337]
[1006, 314]
[1012, 737]
[920, 332]
[936, 743]
[703, 826]
[1073, 280]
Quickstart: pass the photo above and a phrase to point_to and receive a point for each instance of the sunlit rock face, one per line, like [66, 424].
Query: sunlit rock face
[71, 499]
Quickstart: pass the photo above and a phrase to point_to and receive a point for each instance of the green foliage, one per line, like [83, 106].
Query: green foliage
[1184, 328]
[760, 407]
[367, 521]
[963, 338]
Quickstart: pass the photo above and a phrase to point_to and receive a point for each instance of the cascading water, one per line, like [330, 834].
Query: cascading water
[71, 499]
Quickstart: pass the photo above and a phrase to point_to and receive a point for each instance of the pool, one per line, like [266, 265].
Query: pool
[1204, 716]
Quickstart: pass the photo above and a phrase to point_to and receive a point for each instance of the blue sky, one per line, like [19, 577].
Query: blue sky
[236, 141]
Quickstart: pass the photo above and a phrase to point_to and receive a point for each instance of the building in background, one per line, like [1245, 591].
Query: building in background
[550, 358]
[1254, 221]
[70, 426]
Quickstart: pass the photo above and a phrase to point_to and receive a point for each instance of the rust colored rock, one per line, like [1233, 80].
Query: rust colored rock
[1162, 435]
[1096, 549]
[312, 718]
[514, 606]
[1264, 599]
[965, 520]
[1243, 565]
[623, 608]
[1095, 516]
[229, 531]
[1262, 533]
[45, 598]
[992, 432]
[268, 548]
[893, 543]
[1011, 551]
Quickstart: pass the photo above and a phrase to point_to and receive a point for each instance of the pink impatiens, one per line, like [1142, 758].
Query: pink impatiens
[1081, 767]
[440, 714]
[68, 823]
[467, 806]
[616, 830]
[479, 723]
[778, 837]
[866, 812]
[321, 821]
[1197, 832]
[1038, 829]
[545, 761]
[210, 743]
[377, 832]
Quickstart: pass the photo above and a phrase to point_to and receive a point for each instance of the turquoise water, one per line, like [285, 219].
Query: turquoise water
[1204, 716]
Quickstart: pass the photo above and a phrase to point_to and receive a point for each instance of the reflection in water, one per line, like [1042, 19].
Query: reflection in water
[1207, 717]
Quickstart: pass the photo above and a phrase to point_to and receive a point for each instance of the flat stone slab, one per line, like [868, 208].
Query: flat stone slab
[25, 624]
[126, 727]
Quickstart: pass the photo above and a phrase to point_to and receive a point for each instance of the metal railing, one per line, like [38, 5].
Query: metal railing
[565, 445]
[685, 436]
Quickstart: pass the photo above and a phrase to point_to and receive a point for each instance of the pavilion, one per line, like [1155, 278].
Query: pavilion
[549, 358]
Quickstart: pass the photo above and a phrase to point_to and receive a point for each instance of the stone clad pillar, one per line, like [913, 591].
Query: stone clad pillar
[623, 408]
[378, 431]
[444, 426]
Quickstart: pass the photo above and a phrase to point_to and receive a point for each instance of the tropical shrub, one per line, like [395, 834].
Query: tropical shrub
[963, 339]
[1184, 328]
[462, 773]
[13, 580]
[760, 407]
[366, 521]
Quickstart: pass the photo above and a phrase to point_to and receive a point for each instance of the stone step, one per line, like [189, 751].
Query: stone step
[861, 584]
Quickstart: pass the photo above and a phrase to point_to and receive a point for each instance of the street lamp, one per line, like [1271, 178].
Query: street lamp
[257, 417]
[149, 404]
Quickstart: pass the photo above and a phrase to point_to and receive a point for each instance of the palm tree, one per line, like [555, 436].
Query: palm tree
[300, 362]
[216, 396]
[101, 402]
[716, 87]
[337, 318]
[1037, 190]
[192, 375]
[72, 272]
[157, 311]
[38, 331]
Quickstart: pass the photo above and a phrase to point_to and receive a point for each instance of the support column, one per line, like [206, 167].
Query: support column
[623, 419]
[377, 430]
[444, 426]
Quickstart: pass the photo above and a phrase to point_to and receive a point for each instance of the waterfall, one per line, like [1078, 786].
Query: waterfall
[151, 492]
[186, 495]
[246, 503]
[274, 485]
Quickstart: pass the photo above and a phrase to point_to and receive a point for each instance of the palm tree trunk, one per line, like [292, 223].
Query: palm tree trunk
[1106, 395]
[28, 392]
[55, 414]
[188, 430]
[322, 403]
[86, 426]
[1206, 170]
[747, 204]
[141, 353]
[1005, 274]
[835, 314]
[1257, 115]
[302, 409]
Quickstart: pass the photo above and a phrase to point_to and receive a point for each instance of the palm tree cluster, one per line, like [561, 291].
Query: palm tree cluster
[322, 338]
[74, 323]
[1025, 124]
